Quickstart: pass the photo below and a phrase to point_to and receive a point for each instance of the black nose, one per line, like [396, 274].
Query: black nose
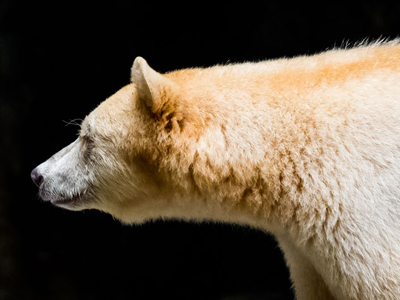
[36, 177]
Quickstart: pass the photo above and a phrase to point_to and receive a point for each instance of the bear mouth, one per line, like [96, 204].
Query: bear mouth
[65, 201]
[70, 202]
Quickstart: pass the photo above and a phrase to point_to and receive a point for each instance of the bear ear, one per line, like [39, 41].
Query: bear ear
[151, 85]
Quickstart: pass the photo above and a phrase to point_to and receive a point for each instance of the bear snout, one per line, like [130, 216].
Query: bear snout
[36, 177]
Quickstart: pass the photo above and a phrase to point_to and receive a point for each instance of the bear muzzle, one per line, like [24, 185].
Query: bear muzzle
[45, 193]
[62, 180]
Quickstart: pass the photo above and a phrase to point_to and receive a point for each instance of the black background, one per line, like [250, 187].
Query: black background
[58, 61]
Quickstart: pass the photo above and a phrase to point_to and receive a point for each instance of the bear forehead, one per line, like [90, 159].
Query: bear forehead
[116, 108]
[113, 114]
[119, 101]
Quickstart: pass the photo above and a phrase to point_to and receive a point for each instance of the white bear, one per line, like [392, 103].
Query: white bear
[307, 149]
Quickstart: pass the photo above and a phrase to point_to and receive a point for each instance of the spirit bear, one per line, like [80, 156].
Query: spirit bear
[307, 149]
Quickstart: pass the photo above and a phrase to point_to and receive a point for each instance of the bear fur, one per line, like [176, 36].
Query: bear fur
[307, 149]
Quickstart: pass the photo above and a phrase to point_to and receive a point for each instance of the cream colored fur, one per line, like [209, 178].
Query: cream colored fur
[307, 149]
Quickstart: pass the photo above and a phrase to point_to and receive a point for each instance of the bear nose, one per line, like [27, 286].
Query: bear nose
[36, 177]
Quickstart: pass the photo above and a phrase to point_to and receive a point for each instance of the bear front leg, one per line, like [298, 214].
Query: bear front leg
[307, 282]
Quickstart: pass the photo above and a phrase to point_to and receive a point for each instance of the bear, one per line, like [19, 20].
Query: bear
[306, 149]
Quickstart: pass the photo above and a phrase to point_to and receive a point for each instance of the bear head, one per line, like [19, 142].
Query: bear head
[116, 164]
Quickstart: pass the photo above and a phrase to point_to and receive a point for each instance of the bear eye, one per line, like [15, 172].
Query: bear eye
[87, 140]
[85, 134]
